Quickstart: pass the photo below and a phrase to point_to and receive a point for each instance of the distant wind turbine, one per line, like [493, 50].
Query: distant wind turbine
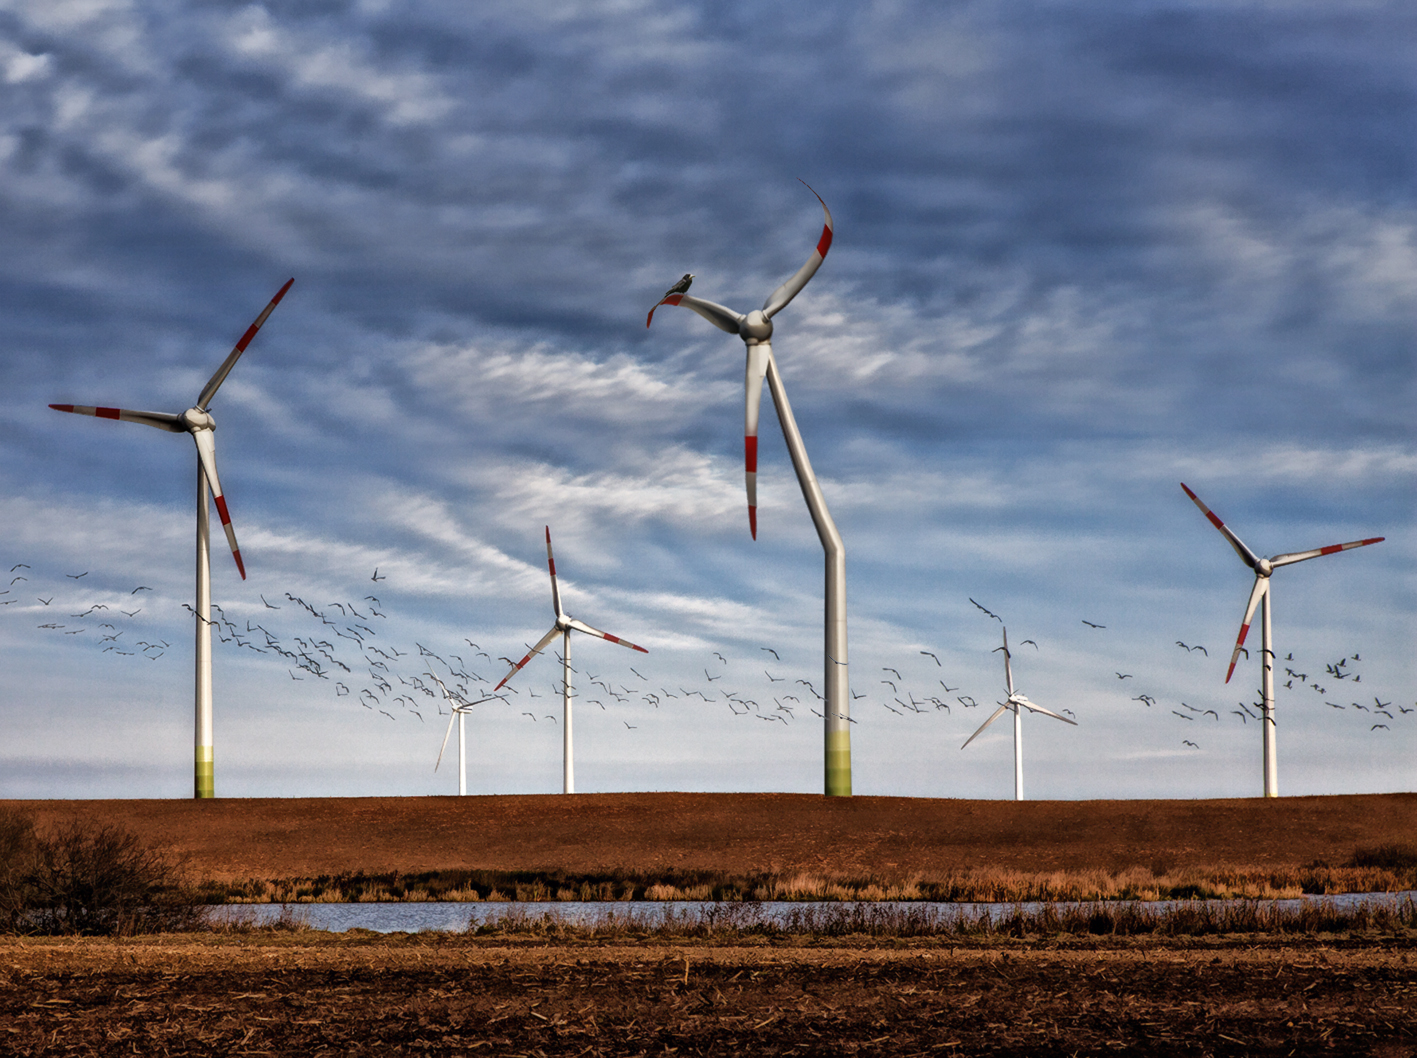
[563, 627]
[1016, 702]
[198, 422]
[1259, 594]
[459, 707]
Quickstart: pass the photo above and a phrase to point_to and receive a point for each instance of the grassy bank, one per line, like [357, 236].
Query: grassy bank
[1391, 868]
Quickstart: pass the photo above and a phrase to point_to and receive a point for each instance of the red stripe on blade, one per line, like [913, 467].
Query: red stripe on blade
[753, 521]
[107, 413]
[612, 639]
[825, 242]
[62, 407]
[221, 510]
[642, 650]
[750, 454]
[240, 566]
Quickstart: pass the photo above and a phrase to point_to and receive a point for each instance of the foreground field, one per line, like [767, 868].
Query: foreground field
[312, 994]
[878, 840]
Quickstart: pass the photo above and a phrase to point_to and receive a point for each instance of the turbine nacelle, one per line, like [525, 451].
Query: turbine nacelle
[1264, 567]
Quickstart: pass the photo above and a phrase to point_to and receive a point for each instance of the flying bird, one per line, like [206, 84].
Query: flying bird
[770, 650]
[887, 668]
[76, 576]
[1124, 675]
[937, 660]
[376, 576]
[1188, 742]
[1091, 625]
[1035, 645]
[988, 611]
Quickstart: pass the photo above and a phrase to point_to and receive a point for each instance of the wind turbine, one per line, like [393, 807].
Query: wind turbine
[563, 627]
[755, 329]
[198, 422]
[459, 707]
[1259, 596]
[1016, 702]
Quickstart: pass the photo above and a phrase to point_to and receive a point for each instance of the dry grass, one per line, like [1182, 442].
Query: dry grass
[1369, 871]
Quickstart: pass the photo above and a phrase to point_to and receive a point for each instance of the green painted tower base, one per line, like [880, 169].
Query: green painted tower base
[206, 774]
[838, 764]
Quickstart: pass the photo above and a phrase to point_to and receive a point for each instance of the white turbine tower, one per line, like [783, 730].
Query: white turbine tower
[198, 422]
[755, 329]
[1259, 596]
[459, 707]
[563, 627]
[1016, 702]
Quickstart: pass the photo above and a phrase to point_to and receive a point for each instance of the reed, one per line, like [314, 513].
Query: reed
[1380, 869]
[725, 922]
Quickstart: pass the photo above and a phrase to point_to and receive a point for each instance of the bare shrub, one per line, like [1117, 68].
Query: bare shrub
[89, 879]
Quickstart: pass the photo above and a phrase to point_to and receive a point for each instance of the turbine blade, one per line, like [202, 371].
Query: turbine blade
[452, 715]
[722, 317]
[1008, 666]
[997, 713]
[1332, 549]
[581, 626]
[1246, 555]
[789, 290]
[551, 564]
[757, 370]
[214, 383]
[160, 419]
[1256, 594]
[555, 631]
[1021, 700]
[206, 452]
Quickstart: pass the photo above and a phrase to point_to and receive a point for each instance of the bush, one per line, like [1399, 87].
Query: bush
[88, 879]
[1392, 857]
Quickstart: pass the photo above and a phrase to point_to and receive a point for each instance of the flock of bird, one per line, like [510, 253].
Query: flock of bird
[351, 650]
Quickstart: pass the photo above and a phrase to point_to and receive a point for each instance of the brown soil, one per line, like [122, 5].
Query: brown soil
[308, 994]
[880, 837]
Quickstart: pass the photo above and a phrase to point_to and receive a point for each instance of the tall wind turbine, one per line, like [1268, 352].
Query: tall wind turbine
[198, 422]
[755, 329]
[459, 707]
[1259, 596]
[1016, 702]
[563, 627]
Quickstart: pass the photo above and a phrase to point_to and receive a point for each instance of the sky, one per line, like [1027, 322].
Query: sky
[1084, 251]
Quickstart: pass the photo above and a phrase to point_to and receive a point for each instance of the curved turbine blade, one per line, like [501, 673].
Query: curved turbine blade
[206, 452]
[789, 290]
[555, 631]
[1300, 556]
[551, 564]
[722, 317]
[452, 715]
[1246, 555]
[214, 383]
[997, 713]
[1256, 594]
[1019, 699]
[757, 370]
[581, 626]
[160, 419]
[1008, 666]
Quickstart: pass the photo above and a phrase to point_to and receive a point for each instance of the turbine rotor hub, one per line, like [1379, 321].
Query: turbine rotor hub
[755, 328]
[194, 419]
[1264, 567]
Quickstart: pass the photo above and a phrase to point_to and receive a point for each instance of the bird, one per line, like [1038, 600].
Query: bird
[770, 650]
[1035, 645]
[948, 690]
[140, 587]
[937, 660]
[1124, 675]
[1091, 625]
[988, 611]
[637, 673]
[887, 668]
[1242, 715]
[681, 287]
[1183, 716]
[629, 725]
[18, 565]
[772, 678]
[720, 657]
[533, 718]
[1188, 742]
[376, 576]
[1201, 649]
[1212, 712]
[1383, 726]
[46, 601]
[76, 576]
[712, 678]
